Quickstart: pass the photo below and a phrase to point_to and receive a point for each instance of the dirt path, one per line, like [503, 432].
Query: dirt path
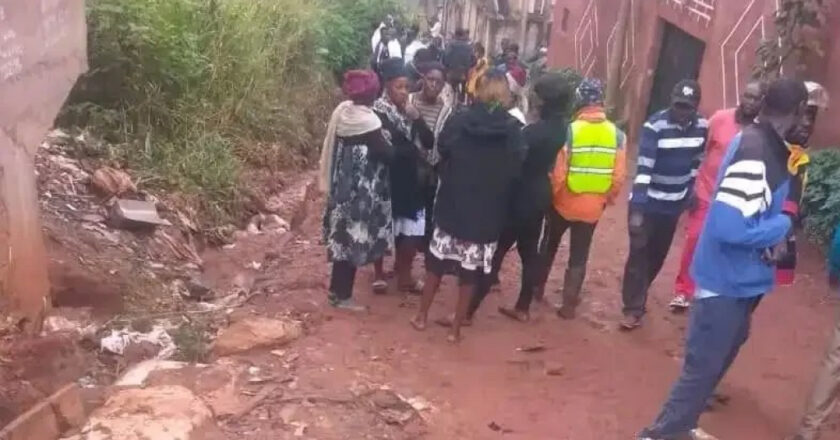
[613, 383]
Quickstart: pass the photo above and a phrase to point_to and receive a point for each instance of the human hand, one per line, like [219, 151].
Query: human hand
[636, 221]
[411, 112]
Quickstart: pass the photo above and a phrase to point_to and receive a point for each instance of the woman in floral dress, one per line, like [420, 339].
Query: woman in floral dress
[481, 152]
[358, 226]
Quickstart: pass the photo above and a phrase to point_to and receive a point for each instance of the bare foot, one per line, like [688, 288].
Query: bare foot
[446, 322]
[452, 338]
[419, 323]
[514, 314]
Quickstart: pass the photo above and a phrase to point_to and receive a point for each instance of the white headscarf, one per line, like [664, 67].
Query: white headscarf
[348, 119]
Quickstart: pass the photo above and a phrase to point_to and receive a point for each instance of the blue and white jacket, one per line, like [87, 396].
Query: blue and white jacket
[669, 157]
[745, 217]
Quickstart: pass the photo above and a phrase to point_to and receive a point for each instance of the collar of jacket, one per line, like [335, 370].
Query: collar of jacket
[592, 113]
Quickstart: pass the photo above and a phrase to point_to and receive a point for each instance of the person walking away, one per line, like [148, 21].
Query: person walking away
[354, 174]
[482, 64]
[481, 151]
[435, 111]
[723, 127]
[588, 176]
[389, 47]
[458, 59]
[531, 197]
[670, 152]
[405, 129]
[798, 167]
[730, 267]
[826, 392]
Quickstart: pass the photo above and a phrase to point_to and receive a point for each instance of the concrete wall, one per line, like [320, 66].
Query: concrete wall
[42, 52]
[732, 30]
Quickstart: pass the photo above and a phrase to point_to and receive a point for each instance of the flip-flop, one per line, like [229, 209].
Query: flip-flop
[380, 287]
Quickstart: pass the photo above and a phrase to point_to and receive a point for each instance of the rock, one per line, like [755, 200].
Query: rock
[111, 182]
[136, 376]
[159, 413]
[59, 412]
[391, 407]
[69, 408]
[274, 223]
[256, 332]
[136, 214]
[555, 370]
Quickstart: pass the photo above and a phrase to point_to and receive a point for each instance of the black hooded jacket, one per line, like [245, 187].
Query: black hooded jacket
[481, 155]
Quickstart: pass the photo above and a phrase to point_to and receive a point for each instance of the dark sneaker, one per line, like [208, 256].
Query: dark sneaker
[347, 304]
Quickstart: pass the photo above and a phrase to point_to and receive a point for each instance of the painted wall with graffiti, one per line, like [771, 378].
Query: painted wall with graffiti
[584, 33]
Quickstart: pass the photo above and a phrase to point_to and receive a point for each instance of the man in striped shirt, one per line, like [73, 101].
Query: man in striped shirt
[670, 152]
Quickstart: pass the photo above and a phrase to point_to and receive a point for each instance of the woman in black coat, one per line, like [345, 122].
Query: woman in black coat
[481, 151]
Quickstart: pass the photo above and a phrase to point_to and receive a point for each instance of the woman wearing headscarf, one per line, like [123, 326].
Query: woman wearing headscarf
[406, 130]
[358, 225]
[531, 199]
[481, 154]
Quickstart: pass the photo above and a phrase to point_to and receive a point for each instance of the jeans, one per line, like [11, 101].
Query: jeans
[342, 279]
[579, 246]
[526, 236]
[718, 328]
[649, 246]
[826, 393]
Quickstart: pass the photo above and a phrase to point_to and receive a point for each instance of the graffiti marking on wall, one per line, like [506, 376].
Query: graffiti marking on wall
[586, 39]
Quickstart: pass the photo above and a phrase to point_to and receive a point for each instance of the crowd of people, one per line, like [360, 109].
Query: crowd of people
[438, 151]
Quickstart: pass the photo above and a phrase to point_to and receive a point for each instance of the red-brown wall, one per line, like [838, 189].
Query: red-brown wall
[731, 30]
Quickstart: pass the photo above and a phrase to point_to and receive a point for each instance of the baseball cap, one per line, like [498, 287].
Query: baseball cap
[688, 92]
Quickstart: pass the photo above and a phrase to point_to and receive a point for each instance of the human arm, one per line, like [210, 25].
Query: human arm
[735, 214]
[378, 147]
[648, 145]
[619, 169]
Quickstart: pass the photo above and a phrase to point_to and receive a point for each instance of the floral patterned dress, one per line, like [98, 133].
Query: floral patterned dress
[358, 227]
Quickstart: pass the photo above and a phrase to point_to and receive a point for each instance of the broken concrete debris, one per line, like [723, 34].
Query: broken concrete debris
[136, 215]
[256, 332]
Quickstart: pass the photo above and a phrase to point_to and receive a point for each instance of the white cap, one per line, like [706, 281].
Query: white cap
[817, 95]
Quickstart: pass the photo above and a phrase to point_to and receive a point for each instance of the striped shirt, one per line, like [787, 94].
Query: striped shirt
[669, 157]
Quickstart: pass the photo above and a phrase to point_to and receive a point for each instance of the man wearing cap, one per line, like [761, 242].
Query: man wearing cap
[588, 176]
[670, 151]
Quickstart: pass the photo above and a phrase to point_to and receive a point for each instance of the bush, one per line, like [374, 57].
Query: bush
[821, 202]
[192, 90]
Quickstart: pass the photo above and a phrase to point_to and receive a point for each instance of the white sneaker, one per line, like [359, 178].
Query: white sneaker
[680, 303]
[699, 434]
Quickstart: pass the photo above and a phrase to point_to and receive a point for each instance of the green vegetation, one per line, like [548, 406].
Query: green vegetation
[189, 92]
[821, 203]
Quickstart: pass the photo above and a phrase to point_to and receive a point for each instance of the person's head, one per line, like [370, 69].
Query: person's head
[361, 86]
[553, 94]
[511, 53]
[751, 100]
[590, 92]
[437, 42]
[413, 33]
[462, 34]
[493, 91]
[784, 105]
[423, 56]
[804, 129]
[433, 80]
[479, 50]
[504, 44]
[685, 98]
[389, 33]
[395, 76]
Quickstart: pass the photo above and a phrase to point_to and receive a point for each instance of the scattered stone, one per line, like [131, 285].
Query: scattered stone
[111, 182]
[135, 215]
[555, 370]
[160, 413]
[93, 218]
[535, 348]
[40, 423]
[256, 332]
[138, 374]
[69, 407]
[392, 408]
[198, 290]
[272, 223]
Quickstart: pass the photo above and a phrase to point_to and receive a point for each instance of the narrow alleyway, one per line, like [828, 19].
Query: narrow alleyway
[603, 384]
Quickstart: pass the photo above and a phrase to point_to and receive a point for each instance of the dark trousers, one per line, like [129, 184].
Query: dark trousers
[580, 242]
[526, 236]
[649, 246]
[342, 279]
[717, 329]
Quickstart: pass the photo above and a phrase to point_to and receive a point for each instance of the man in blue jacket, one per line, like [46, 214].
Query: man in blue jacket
[826, 393]
[734, 264]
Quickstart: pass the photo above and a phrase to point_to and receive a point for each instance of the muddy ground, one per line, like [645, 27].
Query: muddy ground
[604, 384]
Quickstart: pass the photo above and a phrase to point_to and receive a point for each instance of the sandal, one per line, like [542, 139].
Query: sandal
[380, 287]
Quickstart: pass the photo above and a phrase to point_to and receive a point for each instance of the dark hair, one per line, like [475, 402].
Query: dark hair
[462, 33]
[554, 91]
[512, 47]
[425, 68]
[478, 48]
[784, 96]
[424, 55]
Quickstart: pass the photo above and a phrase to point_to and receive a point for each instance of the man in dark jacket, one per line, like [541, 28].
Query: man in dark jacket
[459, 59]
[735, 261]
